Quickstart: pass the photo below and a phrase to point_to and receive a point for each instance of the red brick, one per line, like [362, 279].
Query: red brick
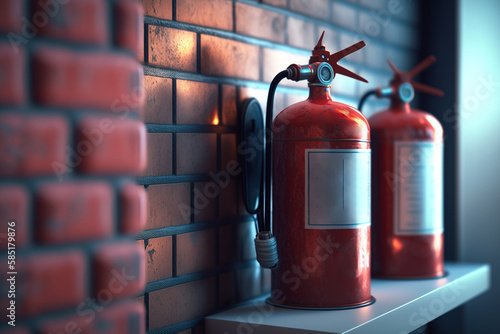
[14, 207]
[378, 55]
[375, 78]
[301, 33]
[215, 14]
[29, 145]
[403, 10]
[172, 48]
[191, 300]
[375, 4]
[401, 34]
[241, 62]
[157, 106]
[275, 61]
[197, 102]
[67, 324]
[229, 112]
[71, 212]
[159, 258]
[227, 291]
[196, 153]
[134, 206]
[228, 200]
[76, 79]
[277, 3]
[245, 234]
[261, 96]
[196, 251]
[47, 275]
[248, 283]
[261, 23]
[81, 21]
[370, 26]
[159, 152]
[227, 245]
[348, 40]
[257, 93]
[158, 8]
[111, 145]
[204, 201]
[129, 25]
[344, 15]
[330, 39]
[12, 87]
[347, 86]
[314, 8]
[169, 205]
[229, 153]
[11, 15]
[125, 318]
[119, 271]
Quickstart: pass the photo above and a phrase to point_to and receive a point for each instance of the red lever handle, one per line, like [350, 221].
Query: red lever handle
[334, 58]
[407, 76]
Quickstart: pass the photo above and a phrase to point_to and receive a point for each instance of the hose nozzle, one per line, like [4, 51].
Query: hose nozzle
[265, 247]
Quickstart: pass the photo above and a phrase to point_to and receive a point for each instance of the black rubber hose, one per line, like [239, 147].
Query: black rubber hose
[269, 120]
[365, 97]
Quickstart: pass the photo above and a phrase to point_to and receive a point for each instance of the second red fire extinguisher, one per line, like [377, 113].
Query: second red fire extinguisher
[407, 182]
[320, 164]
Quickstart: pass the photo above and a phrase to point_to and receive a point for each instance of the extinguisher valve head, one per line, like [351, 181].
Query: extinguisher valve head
[320, 72]
[325, 74]
[323, 66]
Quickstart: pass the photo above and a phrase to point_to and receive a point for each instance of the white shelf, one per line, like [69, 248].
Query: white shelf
[402, 306]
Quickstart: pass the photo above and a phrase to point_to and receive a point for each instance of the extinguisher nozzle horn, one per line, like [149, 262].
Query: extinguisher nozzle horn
[266, 250]
[300, 72]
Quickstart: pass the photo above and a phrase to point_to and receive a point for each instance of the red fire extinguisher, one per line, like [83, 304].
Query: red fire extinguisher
[320, 165]
[407, 182]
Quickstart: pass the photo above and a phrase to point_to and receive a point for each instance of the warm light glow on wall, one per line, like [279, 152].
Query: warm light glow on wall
[215, 120]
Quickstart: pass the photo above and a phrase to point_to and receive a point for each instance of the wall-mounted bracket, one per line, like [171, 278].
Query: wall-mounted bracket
[251, 154]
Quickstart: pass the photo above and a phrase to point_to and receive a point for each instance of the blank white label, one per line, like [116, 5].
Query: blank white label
[337, 188]
[418, 200]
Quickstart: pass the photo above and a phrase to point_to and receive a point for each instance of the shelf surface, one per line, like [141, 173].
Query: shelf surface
[401, 306]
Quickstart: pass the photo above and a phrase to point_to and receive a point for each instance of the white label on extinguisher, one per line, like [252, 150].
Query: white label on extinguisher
[418, 186]
[337, 188]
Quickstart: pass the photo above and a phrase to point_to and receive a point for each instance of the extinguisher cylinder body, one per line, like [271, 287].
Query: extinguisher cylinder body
[407, 193]
[321, 204]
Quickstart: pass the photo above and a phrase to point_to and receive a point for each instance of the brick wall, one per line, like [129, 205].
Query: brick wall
[201, 60]
[71, 143]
